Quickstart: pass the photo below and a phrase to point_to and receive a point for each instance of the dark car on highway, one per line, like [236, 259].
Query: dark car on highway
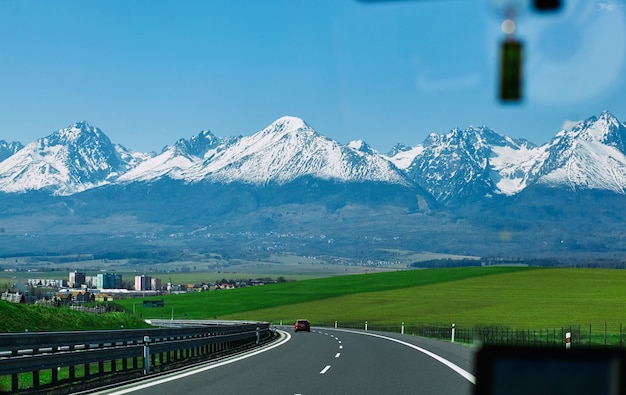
[302, 325]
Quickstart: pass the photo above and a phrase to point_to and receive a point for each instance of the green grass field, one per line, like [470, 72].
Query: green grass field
[246, 300]
[512, 297]
[17, 317]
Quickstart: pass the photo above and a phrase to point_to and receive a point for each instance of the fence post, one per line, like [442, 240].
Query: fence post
[453, 328]
[146, 355]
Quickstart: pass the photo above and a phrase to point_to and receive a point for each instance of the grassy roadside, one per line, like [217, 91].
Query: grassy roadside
[34, 318]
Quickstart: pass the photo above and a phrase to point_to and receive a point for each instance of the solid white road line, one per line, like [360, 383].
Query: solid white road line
[177, 376]
[464, 373]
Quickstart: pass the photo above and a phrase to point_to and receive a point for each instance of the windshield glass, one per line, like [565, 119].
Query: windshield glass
[353, 135]
[384, 72]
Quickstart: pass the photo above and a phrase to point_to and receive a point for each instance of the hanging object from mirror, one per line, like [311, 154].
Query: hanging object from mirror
[511, 62]
[511, 57]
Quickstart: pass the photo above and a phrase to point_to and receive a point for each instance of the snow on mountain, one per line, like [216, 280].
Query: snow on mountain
[288, 149]
[361, 146]
[402, 156]
[474, 162]
[8, 149]
[67, 161]
[480, 162]
[175, 159]
[462, 164]
[592, 156]
[515, 165]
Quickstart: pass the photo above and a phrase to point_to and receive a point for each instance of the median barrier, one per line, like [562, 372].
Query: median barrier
[60, 362]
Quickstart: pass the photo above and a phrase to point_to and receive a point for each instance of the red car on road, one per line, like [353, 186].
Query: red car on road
[302, 325]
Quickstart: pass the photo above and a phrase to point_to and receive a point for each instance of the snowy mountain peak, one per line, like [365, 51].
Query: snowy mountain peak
[7, 149]
[287, 124]
[361, 146]
[606, 129]
[69, 160]
[470, 163]
[396, 149]
[609, 118]
[285, 128]
[198, 145]
[77, 132]
[286, 150]
[282, 152]
[591, 156]
[456, 164]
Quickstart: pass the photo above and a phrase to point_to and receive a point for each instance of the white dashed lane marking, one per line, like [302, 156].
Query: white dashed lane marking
[336, 355]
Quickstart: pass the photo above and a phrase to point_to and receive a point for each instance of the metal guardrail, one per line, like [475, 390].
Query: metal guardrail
[126, 353]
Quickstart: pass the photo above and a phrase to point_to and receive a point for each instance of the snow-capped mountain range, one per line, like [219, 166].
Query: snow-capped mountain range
[280, 153]
[67, 161]
[480, 162]
[473, 163]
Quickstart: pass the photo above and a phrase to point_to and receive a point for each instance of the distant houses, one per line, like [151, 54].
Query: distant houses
[81, 289]
[13, 297]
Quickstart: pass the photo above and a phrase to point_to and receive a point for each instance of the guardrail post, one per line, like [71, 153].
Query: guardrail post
[36, 379]
[55, 375]
[258, 335]
[146, 355]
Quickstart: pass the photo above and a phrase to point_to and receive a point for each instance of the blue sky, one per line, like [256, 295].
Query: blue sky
[148, 72]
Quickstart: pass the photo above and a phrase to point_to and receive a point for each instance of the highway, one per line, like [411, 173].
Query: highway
[328, 361]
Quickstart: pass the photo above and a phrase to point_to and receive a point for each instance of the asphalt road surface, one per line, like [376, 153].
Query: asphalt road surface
[328, 361]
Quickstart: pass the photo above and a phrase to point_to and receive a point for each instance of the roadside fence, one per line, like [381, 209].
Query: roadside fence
[606, 335]
[92, 310]
[64, 362]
